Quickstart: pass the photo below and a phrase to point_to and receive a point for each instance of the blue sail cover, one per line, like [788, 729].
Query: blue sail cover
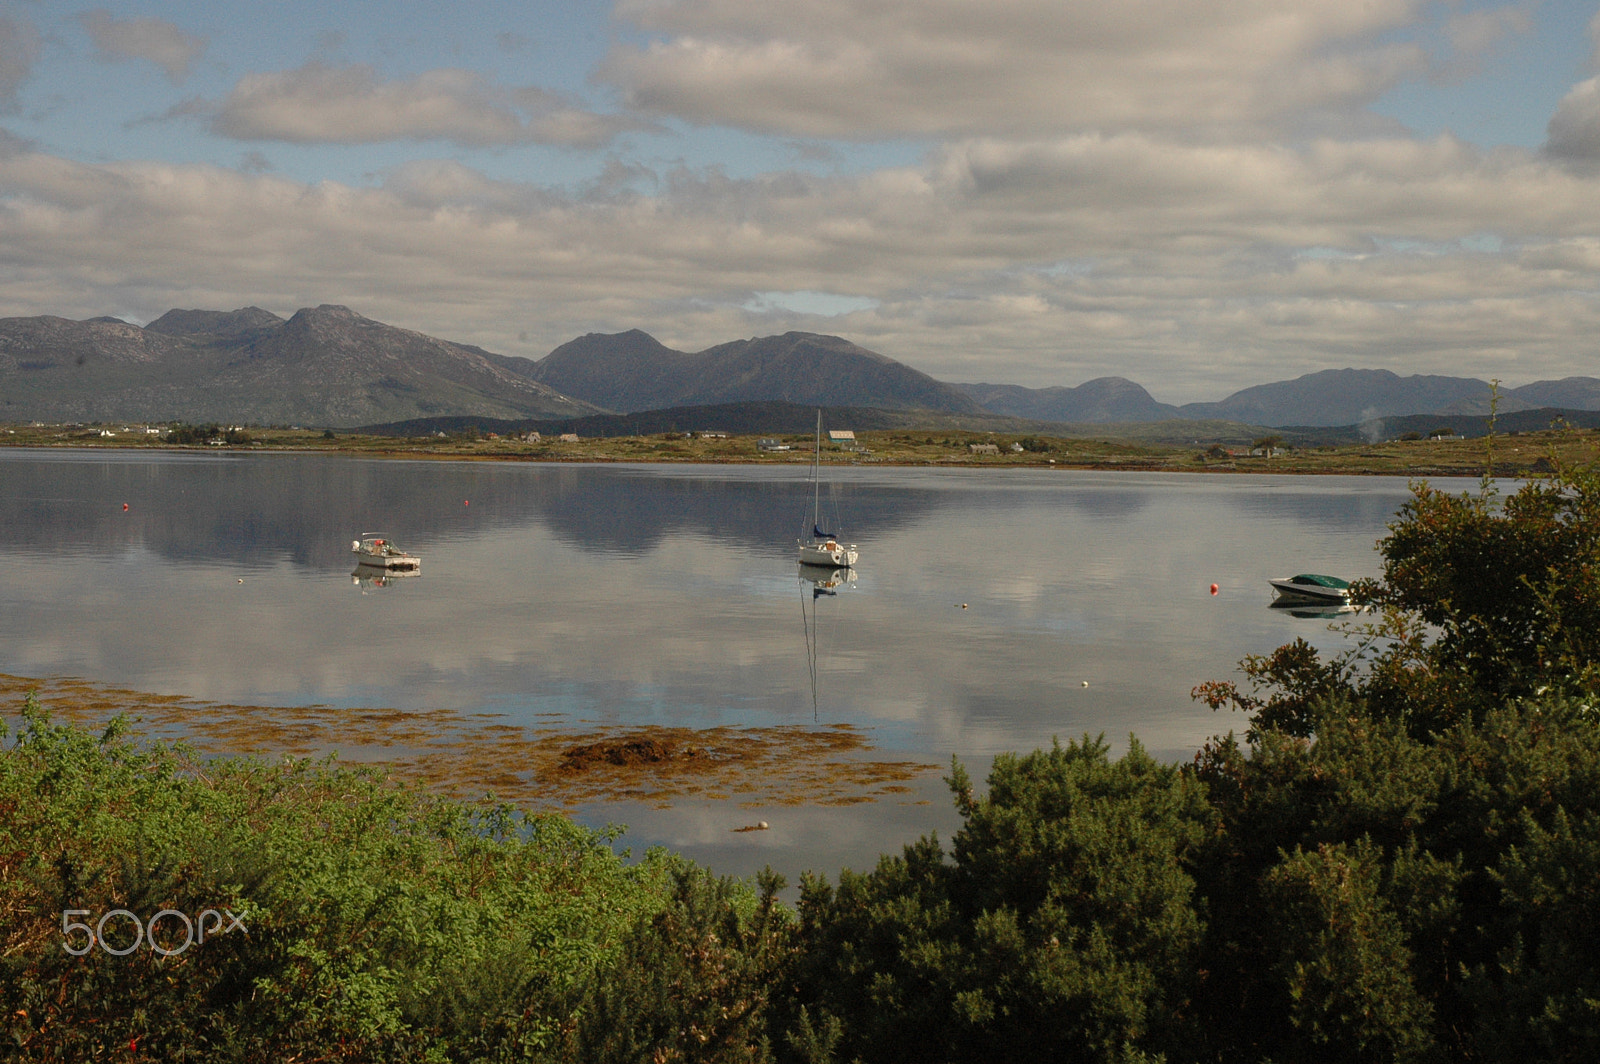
[820, 534]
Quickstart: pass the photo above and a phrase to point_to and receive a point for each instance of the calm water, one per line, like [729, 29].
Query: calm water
[668, 594]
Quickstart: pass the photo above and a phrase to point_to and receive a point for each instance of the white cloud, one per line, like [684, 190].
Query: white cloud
[322, 104]
[150, 39]
[844, 69]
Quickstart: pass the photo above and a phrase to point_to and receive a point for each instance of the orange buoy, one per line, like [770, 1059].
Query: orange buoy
[124, 507]
[1213, 589]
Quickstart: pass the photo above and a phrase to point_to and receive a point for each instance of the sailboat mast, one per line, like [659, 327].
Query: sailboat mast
[816, 475]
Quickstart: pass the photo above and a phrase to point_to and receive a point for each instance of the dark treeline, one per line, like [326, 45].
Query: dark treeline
[1399, 860]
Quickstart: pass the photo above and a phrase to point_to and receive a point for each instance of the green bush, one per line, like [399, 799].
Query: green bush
[1063, 927]
[382, 924]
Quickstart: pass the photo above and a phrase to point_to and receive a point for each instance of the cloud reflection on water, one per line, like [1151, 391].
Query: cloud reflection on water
[669, 595]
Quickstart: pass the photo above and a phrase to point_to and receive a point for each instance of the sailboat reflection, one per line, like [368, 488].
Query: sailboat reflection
[816, 583]
[365, 576]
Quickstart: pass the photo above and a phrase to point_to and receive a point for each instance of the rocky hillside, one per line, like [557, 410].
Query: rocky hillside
[323, 366]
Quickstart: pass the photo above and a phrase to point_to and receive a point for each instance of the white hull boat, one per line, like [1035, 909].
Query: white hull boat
[823, 548]
[1310, 589]
[379, 553]
[829, 553]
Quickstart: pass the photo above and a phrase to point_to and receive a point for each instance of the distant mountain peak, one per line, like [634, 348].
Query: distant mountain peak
[1098, 401]
[633, 371]
[213, 322]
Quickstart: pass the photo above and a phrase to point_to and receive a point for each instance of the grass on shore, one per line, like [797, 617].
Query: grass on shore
[1513, 455]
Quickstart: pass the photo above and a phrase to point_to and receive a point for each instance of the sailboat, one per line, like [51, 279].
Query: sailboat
[823, 548]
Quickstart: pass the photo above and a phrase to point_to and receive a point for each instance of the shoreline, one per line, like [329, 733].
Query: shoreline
[554, 765]
[1516, 456]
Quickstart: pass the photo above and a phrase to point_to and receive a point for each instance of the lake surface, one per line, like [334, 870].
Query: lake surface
[669, 595]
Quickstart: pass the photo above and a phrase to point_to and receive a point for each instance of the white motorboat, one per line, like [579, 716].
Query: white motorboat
[823, 548]
[1310, 589]
[380, 553]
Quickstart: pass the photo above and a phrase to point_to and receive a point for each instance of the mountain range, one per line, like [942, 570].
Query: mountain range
[328, 366]
[1326, 398]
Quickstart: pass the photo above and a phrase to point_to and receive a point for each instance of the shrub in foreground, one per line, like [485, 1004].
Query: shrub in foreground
[382, 924]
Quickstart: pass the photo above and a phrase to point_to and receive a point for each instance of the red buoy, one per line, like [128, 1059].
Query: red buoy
[1213, 589]
[124, 507]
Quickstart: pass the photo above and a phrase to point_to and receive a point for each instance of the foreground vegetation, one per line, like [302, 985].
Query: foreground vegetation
[1399, 861]
[1213, 447]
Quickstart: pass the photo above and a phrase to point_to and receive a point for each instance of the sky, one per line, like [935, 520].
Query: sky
[1198, 195]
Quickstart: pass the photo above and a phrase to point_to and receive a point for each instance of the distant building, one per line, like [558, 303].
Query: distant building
[713, 435]
[532, 437]
[983, 448]
[841, 436]
[1016, 448]
[766, 443]
[569, 437]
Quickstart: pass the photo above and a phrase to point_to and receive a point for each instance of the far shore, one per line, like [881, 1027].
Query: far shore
[1512, 455]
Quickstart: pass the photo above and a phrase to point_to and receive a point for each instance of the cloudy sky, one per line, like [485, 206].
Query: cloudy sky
[1195, 194]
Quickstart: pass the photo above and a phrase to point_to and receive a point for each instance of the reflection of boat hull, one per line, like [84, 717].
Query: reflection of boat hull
[1308, 590]
[825, 580]
[372, 576]
[1315, 611]
[832, 554]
